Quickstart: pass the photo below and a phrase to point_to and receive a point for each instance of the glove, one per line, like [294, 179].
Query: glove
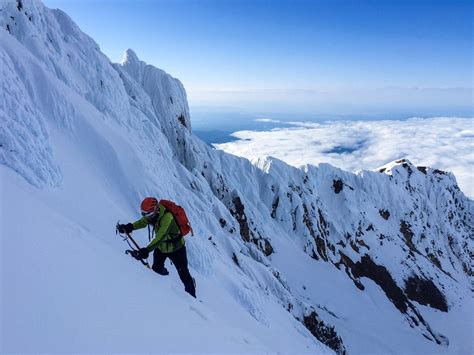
[141, 253]
[125, 228]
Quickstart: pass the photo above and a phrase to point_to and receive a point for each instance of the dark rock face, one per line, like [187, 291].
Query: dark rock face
[275, 206]
[422, 169]
[349, 265]
[248, 234]
[323, 235]
[325, 334]
[434, 260]
[337, 185]
[439, 172]
[425, 292]
[379, 274]
[182, 120]
[366, 267]
[405, 229]
[268, 249]
[384, 214]
[223, 222]
[239, 214]
[307, 220]
[235, 259]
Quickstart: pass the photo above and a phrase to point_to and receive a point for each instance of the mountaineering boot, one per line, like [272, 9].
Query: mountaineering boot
[190, 287]
[162, 271]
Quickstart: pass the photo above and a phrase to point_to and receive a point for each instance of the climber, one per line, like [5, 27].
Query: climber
[168, 241]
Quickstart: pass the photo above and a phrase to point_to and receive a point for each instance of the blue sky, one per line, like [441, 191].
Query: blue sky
[341, 57]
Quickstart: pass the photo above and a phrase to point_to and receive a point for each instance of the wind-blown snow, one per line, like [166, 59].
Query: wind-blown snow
[287, 260]
[444, 142]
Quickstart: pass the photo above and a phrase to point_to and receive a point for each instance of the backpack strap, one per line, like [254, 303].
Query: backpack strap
[149, 232]
[177, 236]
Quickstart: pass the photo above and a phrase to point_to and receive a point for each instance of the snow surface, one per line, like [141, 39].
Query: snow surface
[84, 140]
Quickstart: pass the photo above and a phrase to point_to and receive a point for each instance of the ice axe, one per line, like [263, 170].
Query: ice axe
[133, 251]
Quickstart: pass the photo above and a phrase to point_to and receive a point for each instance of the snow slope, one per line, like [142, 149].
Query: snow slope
[286, 260]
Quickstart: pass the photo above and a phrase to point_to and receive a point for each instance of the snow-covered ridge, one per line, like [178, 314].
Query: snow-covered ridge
[287, 258]
[444, 142]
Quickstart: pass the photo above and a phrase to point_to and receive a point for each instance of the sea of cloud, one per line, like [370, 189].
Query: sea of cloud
[445, 143]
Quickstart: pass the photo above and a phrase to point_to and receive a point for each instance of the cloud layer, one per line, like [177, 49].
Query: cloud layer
[445, 143]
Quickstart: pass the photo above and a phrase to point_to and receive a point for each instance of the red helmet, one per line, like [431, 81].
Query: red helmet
[149, 206]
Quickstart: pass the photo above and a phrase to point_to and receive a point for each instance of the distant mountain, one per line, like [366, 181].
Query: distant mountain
[309, 260]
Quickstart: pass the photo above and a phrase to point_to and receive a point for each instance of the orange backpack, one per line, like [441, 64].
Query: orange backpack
[179, 216]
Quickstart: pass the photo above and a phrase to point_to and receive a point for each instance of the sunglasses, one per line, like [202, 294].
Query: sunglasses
[148, 214]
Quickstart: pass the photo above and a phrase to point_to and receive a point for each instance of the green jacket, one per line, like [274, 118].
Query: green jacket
[166, 231]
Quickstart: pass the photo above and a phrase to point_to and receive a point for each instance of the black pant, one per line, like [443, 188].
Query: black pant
[180, 261]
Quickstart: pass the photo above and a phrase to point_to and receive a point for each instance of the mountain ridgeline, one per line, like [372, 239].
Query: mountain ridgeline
[350, 257]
